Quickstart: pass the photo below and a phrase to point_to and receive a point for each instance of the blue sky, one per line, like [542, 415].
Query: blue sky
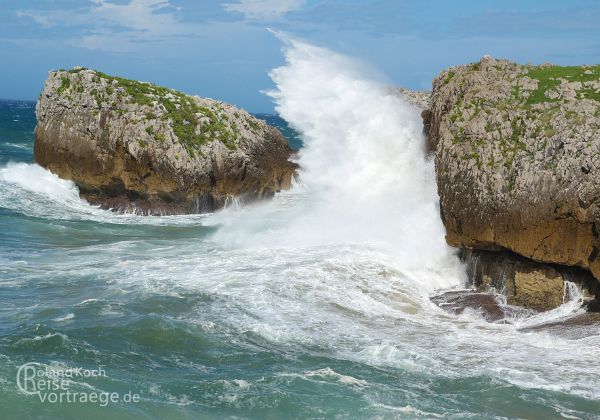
[221, 49]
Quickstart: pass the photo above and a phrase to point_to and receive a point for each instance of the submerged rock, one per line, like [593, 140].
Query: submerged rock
[486, 305]
[135, 146]
[517, 153]
[492, 308]
[572, 328]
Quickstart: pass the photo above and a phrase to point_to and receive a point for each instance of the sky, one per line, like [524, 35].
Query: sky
[223, 49]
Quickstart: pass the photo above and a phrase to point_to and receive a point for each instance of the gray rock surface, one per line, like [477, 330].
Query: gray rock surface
[418, 98]
[134, 146]
[517, 152]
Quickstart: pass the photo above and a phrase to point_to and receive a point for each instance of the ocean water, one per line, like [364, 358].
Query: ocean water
[293, 137]
[315, 304]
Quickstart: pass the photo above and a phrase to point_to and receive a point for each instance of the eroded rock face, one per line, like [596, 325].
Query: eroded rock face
[524, 282]
[139, 147]
[517, 151]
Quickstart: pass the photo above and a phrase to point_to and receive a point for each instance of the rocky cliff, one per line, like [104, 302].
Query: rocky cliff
[136, 146]
[420, 99]
[517, 153]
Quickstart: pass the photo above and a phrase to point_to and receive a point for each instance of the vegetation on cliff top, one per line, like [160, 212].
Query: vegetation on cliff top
[192, 123]
[548, 78]
[527, 111]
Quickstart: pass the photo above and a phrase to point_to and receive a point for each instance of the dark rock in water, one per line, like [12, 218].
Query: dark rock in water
[491, 308]
[594, 305]
[134, 146]
[486, 304]
[577, 327]
[524, 282]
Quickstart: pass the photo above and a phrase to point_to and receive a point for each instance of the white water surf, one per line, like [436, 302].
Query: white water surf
[365, 178]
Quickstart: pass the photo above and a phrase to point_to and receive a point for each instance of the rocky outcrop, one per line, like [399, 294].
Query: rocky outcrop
[527, 283]
[493, 308]
[135, 146]
[489, 306]
[420, 99]
[517, 153]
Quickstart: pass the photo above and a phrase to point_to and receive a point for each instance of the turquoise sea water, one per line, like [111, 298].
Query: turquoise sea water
[272, 311]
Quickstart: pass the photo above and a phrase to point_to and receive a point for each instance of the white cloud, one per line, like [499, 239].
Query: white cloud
[154, 17]
[39, 18]
[149, 16]
[132, 25]
[264, 9]
[118, 27]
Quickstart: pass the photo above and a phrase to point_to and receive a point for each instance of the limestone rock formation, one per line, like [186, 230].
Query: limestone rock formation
[417, 98]
[527, 283]
[517, 152]
[135, 146]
